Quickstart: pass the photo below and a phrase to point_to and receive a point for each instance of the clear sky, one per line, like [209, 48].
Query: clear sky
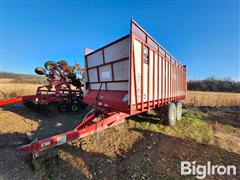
[202, 35]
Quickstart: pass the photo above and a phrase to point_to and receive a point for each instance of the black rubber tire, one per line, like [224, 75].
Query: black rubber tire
[49, 65]
[63, 107]
[74, 107]
[40, 71]
[179, 111]
[171, 114]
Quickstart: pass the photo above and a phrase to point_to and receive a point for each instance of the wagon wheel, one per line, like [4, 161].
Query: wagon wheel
[179, 111]
[171, 114]
[49, 65]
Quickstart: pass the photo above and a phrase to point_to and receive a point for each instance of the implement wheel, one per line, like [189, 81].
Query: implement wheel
[40, 71]
[49, 65]
[63, 107]
[74, 107]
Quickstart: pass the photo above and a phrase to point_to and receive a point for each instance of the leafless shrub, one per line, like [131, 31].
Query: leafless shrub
[214, 85]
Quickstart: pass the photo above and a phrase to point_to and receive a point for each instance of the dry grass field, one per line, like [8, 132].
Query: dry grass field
[9, 88]
[141, 148]
[201, 98]
[197, 98]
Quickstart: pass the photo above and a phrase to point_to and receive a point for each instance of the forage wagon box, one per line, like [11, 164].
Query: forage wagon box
[133, 74]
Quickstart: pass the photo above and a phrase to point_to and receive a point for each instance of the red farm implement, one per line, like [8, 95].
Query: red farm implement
[131, 75]
[64, 90]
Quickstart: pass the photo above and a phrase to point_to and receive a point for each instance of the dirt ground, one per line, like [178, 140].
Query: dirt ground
[137, 149]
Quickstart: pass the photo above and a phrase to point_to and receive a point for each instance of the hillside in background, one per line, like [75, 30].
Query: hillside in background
[11, 75]
[22, 78]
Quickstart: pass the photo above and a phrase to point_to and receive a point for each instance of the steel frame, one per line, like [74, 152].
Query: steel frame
[43, 96]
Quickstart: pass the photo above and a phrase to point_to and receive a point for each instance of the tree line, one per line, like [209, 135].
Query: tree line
[213, 84]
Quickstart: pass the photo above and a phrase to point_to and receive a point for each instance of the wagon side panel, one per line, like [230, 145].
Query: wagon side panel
[156, 77]
[107, 71]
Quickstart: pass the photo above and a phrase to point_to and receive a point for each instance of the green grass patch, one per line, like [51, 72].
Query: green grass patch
[191, 126]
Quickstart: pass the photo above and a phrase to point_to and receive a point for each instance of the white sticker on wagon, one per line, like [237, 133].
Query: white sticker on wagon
[61, 139]
[45, 144]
